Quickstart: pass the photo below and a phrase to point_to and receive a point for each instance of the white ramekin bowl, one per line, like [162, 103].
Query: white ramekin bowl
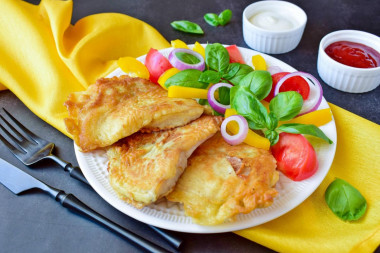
[343, 77]
[273, 42]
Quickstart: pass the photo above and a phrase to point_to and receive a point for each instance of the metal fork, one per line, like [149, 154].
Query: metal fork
[31, 148]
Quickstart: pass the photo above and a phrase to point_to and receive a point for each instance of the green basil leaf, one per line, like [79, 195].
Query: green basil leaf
[247, 105]
[272, 121]
[187, 26]
[217, 57]
[186, 78]
[286, 105]
[211, 19]
[231, 71]
[225, 17]
[259, 82]
[272, 136]
[224, 95]
[210, 76]
[345, 201]
[233, 91]
[244, 69]
[187, 58]
[295, 128]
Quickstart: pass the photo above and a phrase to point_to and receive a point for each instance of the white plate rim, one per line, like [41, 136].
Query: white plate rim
[89, 169]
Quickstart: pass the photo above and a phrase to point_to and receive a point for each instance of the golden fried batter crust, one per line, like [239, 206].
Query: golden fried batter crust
[223, 180]
[114, 108]
[145, 166]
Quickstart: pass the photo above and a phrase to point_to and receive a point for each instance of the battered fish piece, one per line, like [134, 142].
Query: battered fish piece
[222, 181]
[114, 108]
[145, 167]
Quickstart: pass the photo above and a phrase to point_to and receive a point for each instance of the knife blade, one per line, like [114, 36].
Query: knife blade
[18, 181]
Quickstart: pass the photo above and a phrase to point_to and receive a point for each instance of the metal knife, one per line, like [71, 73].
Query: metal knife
[18, 181]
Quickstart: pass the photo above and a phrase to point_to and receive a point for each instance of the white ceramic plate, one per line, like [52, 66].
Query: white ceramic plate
[171, 216]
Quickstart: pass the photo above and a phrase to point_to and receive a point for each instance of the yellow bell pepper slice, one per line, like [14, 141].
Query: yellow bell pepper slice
[178, 44]
[133, 67]
[166, 75]
[258, 62]
[199, 49]
[252, 139]
[317, 118]
[186, 92]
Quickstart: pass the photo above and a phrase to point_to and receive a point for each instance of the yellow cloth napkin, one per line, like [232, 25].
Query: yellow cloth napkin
[312, 227]
[44, 58]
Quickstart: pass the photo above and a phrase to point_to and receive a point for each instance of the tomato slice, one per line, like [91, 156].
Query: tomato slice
[235, 55]
[295, 83]
[295, 156]
[156, 64]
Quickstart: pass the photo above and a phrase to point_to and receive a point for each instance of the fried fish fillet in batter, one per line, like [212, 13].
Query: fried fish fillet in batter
[222, 181]
[145, 166]
[114, 108]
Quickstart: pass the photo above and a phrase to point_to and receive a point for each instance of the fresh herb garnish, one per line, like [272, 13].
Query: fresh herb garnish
[259, 82]
[187, 26]
[249, 88]
[217, 57]
[210, 76]
[286, 105]
[215, 20]
[345, 201]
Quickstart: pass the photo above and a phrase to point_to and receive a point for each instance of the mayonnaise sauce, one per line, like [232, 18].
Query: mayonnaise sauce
[272, 21]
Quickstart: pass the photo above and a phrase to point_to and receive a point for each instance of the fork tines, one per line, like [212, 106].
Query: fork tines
[21, 137]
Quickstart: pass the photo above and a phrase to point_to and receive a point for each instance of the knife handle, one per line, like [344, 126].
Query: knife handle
[72, 203]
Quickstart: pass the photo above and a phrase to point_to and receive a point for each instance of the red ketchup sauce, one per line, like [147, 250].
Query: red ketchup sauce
[353, 54]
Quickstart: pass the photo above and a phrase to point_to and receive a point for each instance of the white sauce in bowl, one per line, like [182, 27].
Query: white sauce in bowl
[272, 21]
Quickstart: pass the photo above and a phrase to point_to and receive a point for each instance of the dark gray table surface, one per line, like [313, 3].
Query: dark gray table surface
[35, 223]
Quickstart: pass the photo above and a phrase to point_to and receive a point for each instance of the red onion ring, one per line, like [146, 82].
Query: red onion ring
[241, 135]
[316, 92]
[177, 63]
[220, 108]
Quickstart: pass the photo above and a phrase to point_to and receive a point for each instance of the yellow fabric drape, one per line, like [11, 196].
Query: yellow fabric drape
[43, 59]
[312, 227]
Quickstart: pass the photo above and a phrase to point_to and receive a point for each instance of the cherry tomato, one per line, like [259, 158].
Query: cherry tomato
[235, 55]
[156, 64]
[295, 83]
[295, 156]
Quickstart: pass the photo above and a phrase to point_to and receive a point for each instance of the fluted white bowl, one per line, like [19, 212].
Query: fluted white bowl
[273, 42]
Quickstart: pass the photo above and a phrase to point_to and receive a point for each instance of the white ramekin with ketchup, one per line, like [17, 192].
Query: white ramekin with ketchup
[349, 60]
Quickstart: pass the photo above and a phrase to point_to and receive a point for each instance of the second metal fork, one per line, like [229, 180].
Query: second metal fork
[30, 148]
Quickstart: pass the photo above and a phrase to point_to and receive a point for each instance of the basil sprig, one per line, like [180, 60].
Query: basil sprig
[345, 201]
[284, 106]
[187, 26]
[215, 20]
